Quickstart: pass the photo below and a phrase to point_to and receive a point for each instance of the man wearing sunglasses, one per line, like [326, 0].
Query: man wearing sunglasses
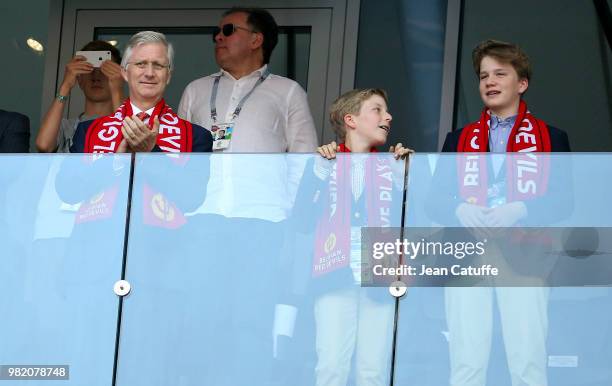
[261, 112]
[247, 197]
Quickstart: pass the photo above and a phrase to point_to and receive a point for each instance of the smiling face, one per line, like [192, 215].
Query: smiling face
[241, 46]
[147, 84]
[371, 126]
[500, 87]
[95, 86]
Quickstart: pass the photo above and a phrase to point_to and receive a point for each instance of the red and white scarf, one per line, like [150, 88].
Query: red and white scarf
[104, 136]
[527, 174]
[333, 232]
[157, 210]
[175, 134]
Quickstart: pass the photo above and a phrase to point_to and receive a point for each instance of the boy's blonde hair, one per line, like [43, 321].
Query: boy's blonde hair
[350, 103]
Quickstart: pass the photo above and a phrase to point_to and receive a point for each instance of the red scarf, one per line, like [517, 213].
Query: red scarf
[175, 134]
[104, 136]
[157, 210]
[333, 233]
[98, 207]
[160, 212]
[527, 174]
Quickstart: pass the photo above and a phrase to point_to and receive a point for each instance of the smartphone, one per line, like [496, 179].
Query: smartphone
[95, 57]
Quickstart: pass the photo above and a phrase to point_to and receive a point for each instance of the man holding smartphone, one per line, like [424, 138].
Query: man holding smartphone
[103, 90]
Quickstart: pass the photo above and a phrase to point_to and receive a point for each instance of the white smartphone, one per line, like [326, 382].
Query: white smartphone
[95, 57]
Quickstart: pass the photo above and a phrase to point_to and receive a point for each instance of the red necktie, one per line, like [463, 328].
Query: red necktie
[142, 115]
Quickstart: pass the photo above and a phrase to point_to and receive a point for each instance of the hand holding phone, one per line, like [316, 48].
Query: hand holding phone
[95, 57]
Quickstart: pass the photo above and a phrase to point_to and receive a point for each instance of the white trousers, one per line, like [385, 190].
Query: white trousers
[348, 321]
[524, 319]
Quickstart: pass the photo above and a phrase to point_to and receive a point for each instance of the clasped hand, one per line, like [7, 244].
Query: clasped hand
[137, 136]
[483, 218]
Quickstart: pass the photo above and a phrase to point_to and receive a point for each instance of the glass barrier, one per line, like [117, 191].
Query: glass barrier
[61, 229]
[545, 218]
[262, 269]
[245, 269]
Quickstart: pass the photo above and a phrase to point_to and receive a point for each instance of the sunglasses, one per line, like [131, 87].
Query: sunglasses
[228, 30]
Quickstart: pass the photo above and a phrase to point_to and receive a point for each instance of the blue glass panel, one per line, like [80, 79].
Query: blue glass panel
[500, 335]
[245, 270]
[62, 221]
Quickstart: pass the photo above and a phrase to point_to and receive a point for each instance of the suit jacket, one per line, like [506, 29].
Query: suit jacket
[14, 132]
[557, 204]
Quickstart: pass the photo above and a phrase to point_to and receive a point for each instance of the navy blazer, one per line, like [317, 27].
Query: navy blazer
[14, 132]
[556, 205]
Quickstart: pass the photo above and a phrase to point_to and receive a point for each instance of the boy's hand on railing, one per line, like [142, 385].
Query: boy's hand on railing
[329, 151]
[399, 151]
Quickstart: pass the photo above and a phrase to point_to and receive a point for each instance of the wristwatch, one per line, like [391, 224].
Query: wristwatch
[61, 98]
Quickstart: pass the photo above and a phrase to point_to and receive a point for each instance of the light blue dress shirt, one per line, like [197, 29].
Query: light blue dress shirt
[499, 132]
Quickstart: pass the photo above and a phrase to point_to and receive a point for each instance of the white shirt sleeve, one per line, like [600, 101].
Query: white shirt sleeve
[184, 108]
[300, 133]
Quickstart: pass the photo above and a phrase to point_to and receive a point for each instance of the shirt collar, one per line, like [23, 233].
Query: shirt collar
[83, 117]
[257, 73]
[136, 110]
[497, 121]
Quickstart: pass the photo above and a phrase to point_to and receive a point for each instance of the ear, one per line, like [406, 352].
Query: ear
[349, 121]
[169, 77]
[257, 40]
[124, 74]
[523, 85]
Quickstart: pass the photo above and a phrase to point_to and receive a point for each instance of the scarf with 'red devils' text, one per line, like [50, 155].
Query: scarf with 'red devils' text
[104, 136]
[527, 174]
[175, 134]
[333, 233]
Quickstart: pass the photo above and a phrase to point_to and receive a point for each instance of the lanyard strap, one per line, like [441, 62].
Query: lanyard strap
[213, 96]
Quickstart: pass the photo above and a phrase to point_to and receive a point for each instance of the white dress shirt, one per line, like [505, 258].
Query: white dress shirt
[136, 110]
[274, 119]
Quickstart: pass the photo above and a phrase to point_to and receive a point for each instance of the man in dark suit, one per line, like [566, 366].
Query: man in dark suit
[492, 192]
[14, 132]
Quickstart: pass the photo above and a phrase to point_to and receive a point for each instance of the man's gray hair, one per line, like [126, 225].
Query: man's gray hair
[145, 37]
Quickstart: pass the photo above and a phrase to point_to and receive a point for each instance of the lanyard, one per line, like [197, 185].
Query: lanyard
[213, 96]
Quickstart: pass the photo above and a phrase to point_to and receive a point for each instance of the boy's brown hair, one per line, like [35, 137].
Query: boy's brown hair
[350, 103]
[505, 53]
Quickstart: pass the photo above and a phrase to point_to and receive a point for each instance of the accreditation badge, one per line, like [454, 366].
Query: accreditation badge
[222, 135]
